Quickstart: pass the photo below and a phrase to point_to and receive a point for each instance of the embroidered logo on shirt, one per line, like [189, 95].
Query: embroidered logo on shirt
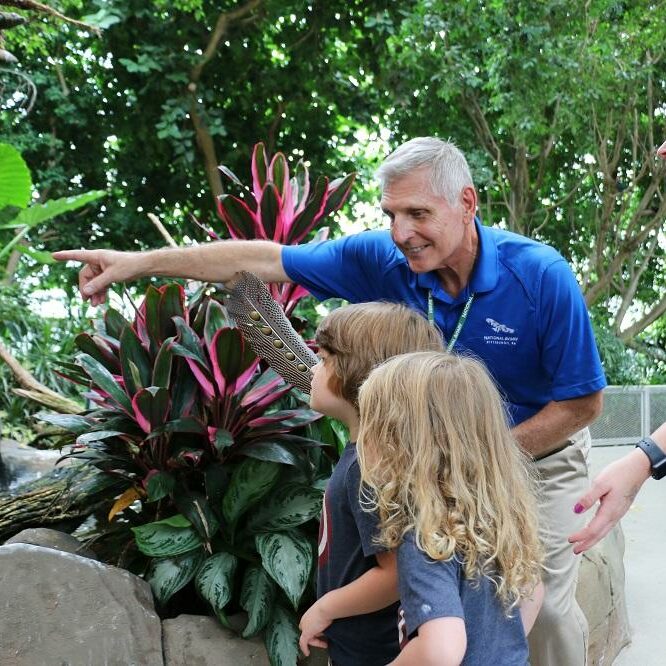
[503, 334]
[499, 328]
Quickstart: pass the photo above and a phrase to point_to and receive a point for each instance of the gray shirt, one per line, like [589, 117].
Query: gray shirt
[431, 589]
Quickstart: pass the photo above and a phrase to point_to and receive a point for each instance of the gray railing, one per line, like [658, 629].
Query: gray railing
[630, 412]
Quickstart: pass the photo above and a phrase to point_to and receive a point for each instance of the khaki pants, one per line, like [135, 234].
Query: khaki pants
[560, 635]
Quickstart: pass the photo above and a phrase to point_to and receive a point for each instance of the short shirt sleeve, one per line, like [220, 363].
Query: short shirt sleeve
[569, 351]
[429, 589]
[367, 523]
[350, 267]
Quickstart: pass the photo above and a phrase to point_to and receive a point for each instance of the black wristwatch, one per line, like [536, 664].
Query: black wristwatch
[656, 455]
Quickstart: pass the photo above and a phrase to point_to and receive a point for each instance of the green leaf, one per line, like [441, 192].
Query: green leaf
[237, 215]
[338, 191]
[167, 576]
[195, 507]
[72, 422]
[151, 407]
[216, 479]
[102, 378]
[38, 213]
[215, 580]
[172, 304]
[288, 558]
[281, 637]
[250, 481]
[15, 180]
[257, 596]
[279, 453]
[280, 172]
[133, 352]
[259, 167]
[187, 424]
[288, 506]
[223, 439]
[189, 345]
[160, 485]
[270, 209]
[166, 538]
[163, 363]
[99, 350]
[217, 317]
[39, 256]
[305, 221]
[114, 323]
[98, 436]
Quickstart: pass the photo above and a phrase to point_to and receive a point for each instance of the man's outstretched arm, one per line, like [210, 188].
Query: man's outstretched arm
[211, 262]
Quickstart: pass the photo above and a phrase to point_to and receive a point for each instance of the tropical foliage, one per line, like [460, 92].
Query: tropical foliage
[221, 480]
[220, 477]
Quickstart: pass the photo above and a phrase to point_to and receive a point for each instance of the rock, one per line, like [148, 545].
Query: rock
[59, 608]
[199, 640]
[601, 596]
[42, 536]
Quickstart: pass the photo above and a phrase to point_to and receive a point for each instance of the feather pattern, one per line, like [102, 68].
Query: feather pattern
[265, 326]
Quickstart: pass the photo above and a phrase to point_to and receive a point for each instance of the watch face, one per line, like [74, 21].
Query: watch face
[659, 470]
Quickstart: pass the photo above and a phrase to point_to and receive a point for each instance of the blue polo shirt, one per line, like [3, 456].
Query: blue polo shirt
[528, 322]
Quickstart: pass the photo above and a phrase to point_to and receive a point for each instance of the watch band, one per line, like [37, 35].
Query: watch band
[656, 455]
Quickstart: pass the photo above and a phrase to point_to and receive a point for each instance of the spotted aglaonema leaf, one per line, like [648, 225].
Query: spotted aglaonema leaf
[168, 575]
[215, 580]
[256, 598]
[288, 558]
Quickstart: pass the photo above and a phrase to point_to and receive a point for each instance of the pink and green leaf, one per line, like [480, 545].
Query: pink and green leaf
[238, 217]
[132, 352]
[302, 225]
[338, 191]
[151, 408]
[259, 169]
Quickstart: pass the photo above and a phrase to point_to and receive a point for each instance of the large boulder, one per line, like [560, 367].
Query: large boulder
[63, 609]
[601, 596]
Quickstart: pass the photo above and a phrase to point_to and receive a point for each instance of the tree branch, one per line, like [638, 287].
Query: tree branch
[32, 5]
[204, 139]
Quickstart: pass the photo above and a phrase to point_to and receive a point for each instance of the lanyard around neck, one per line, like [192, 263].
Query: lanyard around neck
[461, 320]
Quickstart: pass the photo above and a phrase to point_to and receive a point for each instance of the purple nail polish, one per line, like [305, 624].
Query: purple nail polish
[579, 508]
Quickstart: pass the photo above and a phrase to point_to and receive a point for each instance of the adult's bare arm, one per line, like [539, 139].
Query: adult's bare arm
[615, 488]
[211, 262]
[552, 425]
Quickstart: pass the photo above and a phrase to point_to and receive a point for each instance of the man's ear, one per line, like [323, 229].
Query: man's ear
[469, 200]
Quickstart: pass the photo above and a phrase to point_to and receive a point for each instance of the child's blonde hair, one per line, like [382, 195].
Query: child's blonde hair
[361, 336]
[436, 451]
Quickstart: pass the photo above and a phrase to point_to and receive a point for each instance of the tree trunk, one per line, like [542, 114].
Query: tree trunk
[62, 499]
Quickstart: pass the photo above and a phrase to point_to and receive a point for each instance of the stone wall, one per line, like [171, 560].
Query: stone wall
[61, 606]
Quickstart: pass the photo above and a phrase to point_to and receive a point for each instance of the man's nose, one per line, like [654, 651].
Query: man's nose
[401, 230]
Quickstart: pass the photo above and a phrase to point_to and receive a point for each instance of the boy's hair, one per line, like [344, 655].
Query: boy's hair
[358, 337]
[437, 454]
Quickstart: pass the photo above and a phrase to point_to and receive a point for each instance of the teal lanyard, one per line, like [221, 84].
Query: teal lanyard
[461, 320]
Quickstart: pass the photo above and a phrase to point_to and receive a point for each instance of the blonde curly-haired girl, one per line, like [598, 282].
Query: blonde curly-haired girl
[454, 496]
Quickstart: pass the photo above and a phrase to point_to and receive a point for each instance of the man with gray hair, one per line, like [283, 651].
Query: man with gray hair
[511, 301]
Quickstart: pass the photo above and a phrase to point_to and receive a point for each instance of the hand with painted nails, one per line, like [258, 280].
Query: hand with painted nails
[661, 151]
[615, 489]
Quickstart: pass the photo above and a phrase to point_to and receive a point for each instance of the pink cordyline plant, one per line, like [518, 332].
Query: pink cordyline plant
[281, 208]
